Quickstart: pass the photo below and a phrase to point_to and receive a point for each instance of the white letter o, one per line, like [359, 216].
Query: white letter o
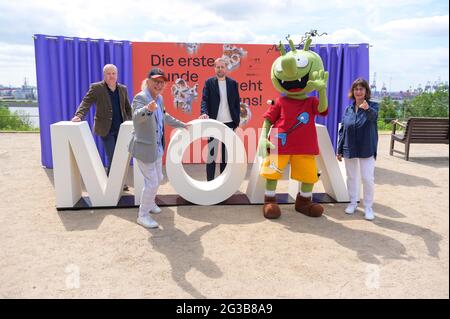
[222, 187]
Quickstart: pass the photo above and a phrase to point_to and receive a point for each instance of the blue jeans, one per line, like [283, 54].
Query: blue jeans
[109, 144]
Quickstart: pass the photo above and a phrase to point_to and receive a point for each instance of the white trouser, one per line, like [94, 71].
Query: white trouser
[153, 177]
[365, 166]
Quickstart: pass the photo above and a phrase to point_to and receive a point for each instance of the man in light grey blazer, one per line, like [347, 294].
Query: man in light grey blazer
[147, 143]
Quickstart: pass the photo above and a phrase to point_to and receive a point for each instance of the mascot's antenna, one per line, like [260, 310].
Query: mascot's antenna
[273, 47]
[310, 34]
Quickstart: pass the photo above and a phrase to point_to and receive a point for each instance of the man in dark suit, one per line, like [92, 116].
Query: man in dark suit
[112, 108]
[221, 102]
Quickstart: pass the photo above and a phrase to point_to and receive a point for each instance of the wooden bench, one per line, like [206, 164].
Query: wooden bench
[419, 130]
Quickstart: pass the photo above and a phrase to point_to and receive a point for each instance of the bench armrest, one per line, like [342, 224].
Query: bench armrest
[395, 123]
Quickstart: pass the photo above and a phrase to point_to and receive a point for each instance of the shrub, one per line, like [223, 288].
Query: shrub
[14, 121]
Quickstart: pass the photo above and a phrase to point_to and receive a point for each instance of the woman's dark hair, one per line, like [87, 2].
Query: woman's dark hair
[364, 84]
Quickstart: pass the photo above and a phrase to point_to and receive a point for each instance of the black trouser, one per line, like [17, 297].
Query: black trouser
[213, 149]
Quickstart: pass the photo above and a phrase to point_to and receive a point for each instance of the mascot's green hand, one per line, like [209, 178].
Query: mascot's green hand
[264, 144]
[318, 80]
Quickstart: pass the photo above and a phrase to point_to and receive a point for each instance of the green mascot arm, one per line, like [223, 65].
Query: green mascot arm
[318, 82]
[264, 142]
[323, 101]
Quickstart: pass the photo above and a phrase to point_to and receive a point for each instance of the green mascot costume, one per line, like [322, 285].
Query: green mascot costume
[289, 131]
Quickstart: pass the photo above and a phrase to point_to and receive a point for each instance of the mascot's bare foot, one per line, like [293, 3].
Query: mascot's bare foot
[305, 206]
[271, 210]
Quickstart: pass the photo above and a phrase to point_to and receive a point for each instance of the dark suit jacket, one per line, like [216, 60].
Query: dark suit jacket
[211, 98]
[98, 94]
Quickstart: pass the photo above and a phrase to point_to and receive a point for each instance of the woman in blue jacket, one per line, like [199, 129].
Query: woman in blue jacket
[357, 144]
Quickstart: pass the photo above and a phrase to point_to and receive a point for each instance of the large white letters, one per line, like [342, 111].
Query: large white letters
[74, 153]
[222, 187]
[75, 156]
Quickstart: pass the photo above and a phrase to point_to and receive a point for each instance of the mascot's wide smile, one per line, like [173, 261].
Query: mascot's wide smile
[294, 86]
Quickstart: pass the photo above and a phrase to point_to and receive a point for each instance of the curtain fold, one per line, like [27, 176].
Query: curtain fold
[65, 67]
[344, 63]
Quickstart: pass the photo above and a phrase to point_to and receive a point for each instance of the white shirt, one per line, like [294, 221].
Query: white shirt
[223, 115]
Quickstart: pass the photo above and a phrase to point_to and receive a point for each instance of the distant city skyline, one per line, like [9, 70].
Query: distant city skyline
[409, 38]
[27, 91]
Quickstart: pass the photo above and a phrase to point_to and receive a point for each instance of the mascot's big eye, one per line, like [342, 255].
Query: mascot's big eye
[301, 60]
[278, 67]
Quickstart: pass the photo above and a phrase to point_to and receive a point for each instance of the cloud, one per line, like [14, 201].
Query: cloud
[210, 36]
[423, 60]
[230, 21]
[405, 67]
[347, 35]
[16, 63]
[238, 10]
[157, 36]
[216, 36]
[436, 26]
[380, 4]
[114, 19]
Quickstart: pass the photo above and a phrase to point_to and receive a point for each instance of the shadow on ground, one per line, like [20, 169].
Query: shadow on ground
[390, 177]
[430, 238]
[184, 252]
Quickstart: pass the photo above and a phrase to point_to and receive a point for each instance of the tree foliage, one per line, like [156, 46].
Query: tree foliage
[426, 104]
[433, 104]
[14, 121]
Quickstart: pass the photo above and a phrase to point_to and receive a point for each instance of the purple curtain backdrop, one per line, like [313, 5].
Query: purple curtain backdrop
[344, 63]
[65, 67]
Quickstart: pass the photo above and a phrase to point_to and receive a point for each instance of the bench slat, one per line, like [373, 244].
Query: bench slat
[428, 134]
[421, 125]
[437, 128]
[416, 131]
[427, 141]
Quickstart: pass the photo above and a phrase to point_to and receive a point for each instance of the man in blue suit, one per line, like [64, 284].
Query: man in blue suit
[221, 102]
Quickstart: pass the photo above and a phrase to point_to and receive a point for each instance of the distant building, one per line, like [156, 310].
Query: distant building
[6, 92]
[26, 92]
[408, 94]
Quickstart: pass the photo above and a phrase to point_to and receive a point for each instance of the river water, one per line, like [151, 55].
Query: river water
[30, 112]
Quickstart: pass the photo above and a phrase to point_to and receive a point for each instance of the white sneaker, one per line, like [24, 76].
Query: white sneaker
[351, 208]
[156, 210]
[147, 222]
[368, 213]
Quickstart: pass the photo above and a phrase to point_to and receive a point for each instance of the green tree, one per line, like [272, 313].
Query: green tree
[404, 106]
[15, 121]
[388, 110]
[429, 104]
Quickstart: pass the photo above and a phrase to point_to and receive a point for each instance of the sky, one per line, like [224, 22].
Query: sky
[409, 39]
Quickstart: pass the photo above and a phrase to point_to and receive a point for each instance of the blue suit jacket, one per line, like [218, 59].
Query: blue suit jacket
[211, 99]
